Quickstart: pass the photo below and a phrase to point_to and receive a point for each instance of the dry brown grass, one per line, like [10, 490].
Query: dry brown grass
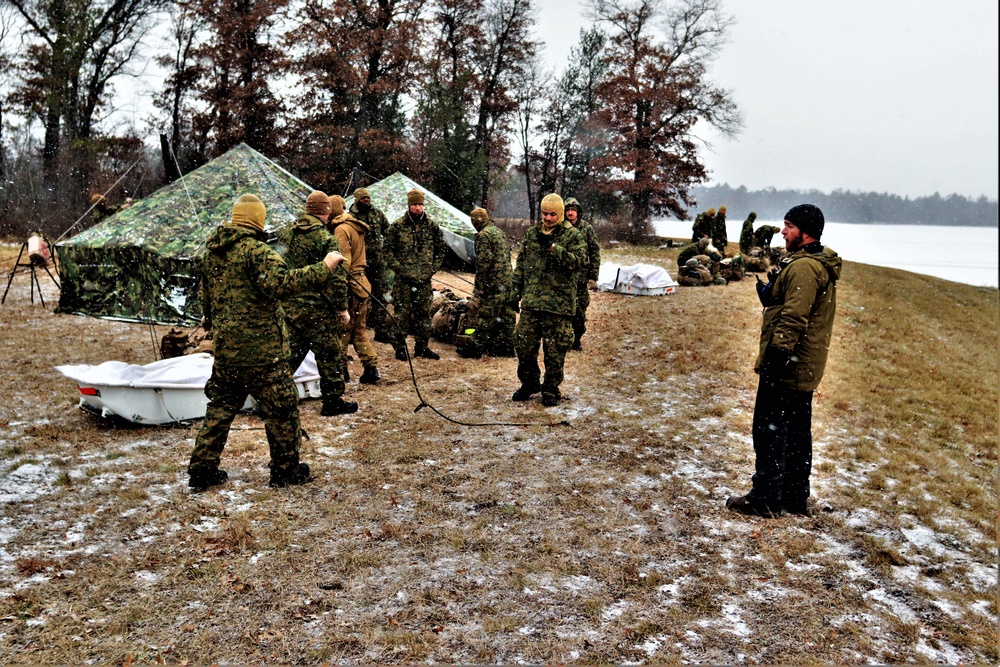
[602, 542]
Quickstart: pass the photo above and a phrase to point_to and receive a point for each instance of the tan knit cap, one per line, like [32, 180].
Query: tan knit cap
[414, 196]
[554, 203]
[361, 193]
[249, 211]
[479, 215]
[317, 203]
[336, 206]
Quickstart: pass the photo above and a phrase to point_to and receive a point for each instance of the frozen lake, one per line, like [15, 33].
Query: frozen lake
[963, 254]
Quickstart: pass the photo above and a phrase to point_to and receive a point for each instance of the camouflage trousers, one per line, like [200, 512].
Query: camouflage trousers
[554, 334]
[580, 316]
[275, 393]
[378, 318]
[357, 331]
[494, 325]
[318, 332]
[411, 302]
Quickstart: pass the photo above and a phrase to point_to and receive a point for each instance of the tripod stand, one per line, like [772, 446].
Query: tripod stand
[36, 258]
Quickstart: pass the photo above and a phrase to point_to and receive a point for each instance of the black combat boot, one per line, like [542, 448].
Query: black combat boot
[202, 479]
[337, 406]
[294, 477]
[550, 400]
[526, 392]
[401, 354]
[744, 505]
[425, 352]
[370, 376]
[470, 351]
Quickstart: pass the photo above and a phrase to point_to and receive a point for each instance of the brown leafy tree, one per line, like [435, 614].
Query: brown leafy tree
[356, 60]
[75, 48]
[237, 66]
[654, 94]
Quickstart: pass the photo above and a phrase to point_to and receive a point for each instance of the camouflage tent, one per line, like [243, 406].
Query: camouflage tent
[143, 263]
[389, 194]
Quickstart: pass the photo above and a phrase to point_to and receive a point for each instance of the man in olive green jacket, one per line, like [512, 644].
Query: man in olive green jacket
[415, 250]
[544, 291]
[243, 282]
[314, 318]
[799, 308]
[588, 275]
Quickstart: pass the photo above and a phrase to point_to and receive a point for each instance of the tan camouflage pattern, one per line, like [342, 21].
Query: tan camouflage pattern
[143, 264]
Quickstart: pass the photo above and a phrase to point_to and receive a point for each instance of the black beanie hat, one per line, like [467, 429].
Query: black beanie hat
[808, 218]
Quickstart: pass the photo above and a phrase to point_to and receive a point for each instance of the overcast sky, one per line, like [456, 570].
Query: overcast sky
[871, 95]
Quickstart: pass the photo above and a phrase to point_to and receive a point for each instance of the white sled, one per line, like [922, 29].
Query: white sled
[163, 392]
[635, 280]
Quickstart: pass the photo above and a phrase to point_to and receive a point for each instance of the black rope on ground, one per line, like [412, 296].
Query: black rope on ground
[413, 374]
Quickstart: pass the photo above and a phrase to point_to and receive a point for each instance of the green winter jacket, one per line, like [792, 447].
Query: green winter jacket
[493, 270]
[243, 282]
[378, 226]
[702, 227]
[762, 237]
[415, 251]
[546, 280]
[801, 320]
[308, 242]
[746, 233]
[592, 267]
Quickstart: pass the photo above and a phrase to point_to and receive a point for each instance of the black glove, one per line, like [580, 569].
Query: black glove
[774, 364]
[764, 292]
[545, 241]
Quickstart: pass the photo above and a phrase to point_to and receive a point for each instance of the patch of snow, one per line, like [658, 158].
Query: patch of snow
[902, 611]
[730, 612]
[614, 611]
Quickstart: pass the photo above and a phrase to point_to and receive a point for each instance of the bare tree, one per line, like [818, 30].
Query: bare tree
[528, 95]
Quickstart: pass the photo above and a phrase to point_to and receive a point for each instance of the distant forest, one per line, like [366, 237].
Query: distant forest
[856, 207]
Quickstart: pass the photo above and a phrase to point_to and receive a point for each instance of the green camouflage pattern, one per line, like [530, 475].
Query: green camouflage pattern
[143, 264]
[308, 241]
[414, 252]
[378, 225]
[494, 326]
[589, 273]
[746, 233]
[278, 399]
[691, 250]
[317, 330]
[546, 280]
[702, 227]
[762, 237]
[245, 281]
[720, 237]
[411, 304]
[389, 195]
[554, 334]
[493, 268]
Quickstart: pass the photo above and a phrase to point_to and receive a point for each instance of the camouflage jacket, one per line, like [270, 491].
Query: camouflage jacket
[762, 237]
[720, 236]
[800, 321]
[243, 282]
[702, 227]
[593, 266]
[308, 242]
[746, 233]
[353, 237]
[546, 280]
[378, 225]
[415, 251]
[493, 271]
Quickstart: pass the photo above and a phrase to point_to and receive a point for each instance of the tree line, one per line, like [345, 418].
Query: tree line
[451, 92]
[857, 207]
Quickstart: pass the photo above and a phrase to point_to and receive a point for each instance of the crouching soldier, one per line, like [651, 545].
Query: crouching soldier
[243, 281]
[544, 289]
[314, 319]
[494, 327]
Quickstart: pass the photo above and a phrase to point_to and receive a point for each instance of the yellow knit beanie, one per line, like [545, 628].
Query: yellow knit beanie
[554, 203]
[336, 206]
[414, 196]
[710, 212]
[249, 211]
[722, 209]
[317, 203]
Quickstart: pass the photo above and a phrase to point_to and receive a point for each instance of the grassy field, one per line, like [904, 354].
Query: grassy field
[601, 541]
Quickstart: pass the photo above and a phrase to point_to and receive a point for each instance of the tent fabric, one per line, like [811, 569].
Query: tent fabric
[143, 264]
[389, 195]
[639, 276]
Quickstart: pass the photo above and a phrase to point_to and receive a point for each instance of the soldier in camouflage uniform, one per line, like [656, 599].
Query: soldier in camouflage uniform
[762, 237]
[691, 250]
[378, 225]
[415, 250]
[243, 281]
[314, 318]
[720, 237]
[552, 255]
[703, 225]
[746, 233]
[494, 326]
[353, 237]
[588, 275]
[101, 209]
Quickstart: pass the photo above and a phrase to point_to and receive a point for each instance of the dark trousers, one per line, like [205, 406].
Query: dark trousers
[782, 443]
